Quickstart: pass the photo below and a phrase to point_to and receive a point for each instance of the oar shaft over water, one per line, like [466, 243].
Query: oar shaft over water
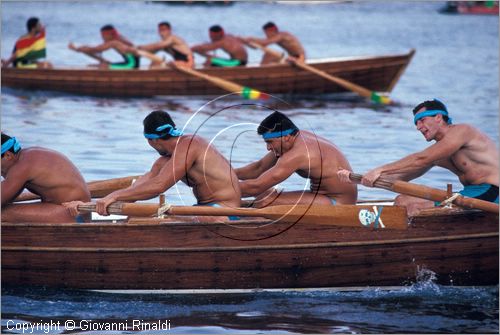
[245, 92]
[362, 91]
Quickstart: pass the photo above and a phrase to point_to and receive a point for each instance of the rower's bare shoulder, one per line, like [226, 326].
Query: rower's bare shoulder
[463, 130]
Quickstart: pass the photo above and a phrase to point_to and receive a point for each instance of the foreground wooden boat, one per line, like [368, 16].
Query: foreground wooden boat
[379, 73]
[460, 247]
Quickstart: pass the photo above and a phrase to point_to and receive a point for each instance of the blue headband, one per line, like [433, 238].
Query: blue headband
[12, 142]
[432, 112]
[276, 134]
[174, 132]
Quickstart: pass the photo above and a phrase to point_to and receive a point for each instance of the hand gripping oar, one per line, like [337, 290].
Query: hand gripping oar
[98, 188]
[428, 193]
[362, 91]
[389, 217]
[245, 92]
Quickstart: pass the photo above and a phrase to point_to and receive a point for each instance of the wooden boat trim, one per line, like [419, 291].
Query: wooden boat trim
[264, 247]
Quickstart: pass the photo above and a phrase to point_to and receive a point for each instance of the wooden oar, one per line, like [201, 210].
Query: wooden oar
[230, 86]
[362, 91]
[98, 188]
[390, 217]
[428, 193]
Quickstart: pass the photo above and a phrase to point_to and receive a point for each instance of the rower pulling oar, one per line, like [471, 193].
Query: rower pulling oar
[244, 91]
[428, 193]
[462, 149]
[362, 91]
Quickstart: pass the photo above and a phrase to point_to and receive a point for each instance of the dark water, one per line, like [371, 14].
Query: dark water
[456, 61]
[422, 308]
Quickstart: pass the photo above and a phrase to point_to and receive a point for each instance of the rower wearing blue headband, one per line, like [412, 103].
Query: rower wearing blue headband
[164, 130]
[183, 157]
[11, 144]
[276, 134]
[437, 108]
[47, 174]
[295, 151]
[462, 149]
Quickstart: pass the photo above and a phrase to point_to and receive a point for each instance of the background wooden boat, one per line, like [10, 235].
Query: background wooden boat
[460, 247]
[379, 73]
[471, 7]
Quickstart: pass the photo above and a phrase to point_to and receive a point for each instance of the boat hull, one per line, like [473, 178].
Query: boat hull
[375, 73]
[458, 249]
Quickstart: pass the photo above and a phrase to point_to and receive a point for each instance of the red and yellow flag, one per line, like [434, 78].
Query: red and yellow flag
[31, 47]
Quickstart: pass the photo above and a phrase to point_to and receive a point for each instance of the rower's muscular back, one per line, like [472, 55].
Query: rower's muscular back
[211, 176]
[51, 175]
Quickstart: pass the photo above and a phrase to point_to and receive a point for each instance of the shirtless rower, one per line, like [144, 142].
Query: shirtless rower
[34, 169]
[30, 48]
[172, 44]
[293, 150]
[112, 40]
[286, 40]
[229, 43]
[189, 158]
[461, 148]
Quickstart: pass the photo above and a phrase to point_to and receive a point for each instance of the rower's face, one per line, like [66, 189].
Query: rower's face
[164, 32]
[107, 35]
[155, 144]
[38, 27]
[428, 125]
[7, 161]
[278, 145]
[270, 32]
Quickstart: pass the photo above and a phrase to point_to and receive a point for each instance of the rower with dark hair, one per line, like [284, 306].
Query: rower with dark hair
[286, 40]
[172, 44]
[29, 48]
[229, 43]
[184, 157]
[44, 172]
[461, 148]
[295, 151]
[112, 40]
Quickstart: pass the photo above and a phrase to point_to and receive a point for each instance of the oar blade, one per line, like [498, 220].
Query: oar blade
[366, 216]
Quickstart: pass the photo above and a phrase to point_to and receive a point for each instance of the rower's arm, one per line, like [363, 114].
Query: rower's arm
[98, 48]
[153, 47]
[283, 169]
[162, 176]
[416, 164]
[265, 41]
[255, 169]
[11, 59]
[206, 47]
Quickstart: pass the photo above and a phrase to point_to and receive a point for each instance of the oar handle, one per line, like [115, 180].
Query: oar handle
[273, 52]
[428, 193]
[123, 208]
[136, 209]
